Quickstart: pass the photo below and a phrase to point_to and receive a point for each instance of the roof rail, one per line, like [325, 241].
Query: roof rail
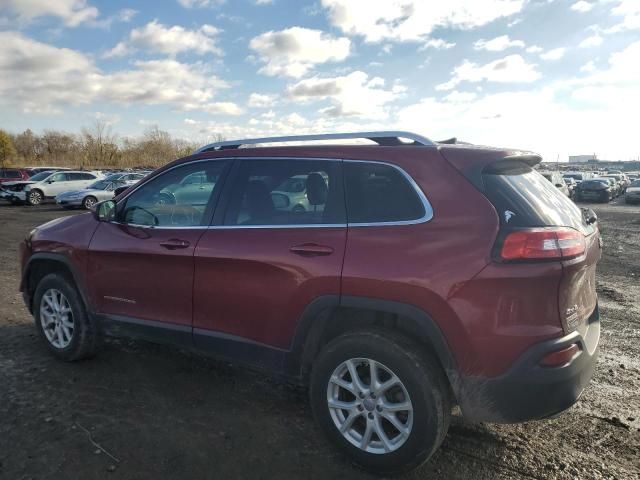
[385, 138]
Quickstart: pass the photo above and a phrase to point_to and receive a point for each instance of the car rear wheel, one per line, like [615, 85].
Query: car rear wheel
[35, 197]
[61, 319]
[89, 202]
[381, 399]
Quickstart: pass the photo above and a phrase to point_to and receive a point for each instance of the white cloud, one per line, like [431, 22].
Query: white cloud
[497, 44]
[168, 40]
[545, 119]
[264, 2]
[460, 97]
[582, 6]
[534, 49]
[413, 20]
[354, 95]
[554, 54]
[37, 77]
[588, 67]
[200, 3]
[630, 12]
[512, 68]
[592, 41]
[71, 12]
[438, 44]
[294, 51]
[258, 100]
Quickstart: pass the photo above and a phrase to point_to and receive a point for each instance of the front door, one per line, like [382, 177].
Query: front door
[141, 265]
[279, 246]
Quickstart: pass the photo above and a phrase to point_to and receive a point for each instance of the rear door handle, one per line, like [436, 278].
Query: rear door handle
[311, 250]
[174, 244]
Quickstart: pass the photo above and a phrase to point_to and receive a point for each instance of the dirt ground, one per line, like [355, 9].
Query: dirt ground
[140, 411]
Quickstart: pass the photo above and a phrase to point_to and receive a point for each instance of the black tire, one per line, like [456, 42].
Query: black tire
[89, 201]
[35, 197]
[84, 339]
[420, 374]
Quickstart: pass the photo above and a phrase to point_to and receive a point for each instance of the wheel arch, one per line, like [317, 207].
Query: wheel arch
[43, 263]
[329, 316]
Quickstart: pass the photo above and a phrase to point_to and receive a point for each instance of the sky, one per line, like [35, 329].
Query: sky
[559, 77]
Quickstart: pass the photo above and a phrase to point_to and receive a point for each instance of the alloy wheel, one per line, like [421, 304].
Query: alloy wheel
[35, 197]
[56, 318]
[370, 406]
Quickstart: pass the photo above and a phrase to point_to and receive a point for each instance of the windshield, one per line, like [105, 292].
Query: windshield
[99, 185]
[40, 176]
[577, 176]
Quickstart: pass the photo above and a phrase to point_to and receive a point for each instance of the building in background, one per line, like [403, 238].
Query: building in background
[582, 158]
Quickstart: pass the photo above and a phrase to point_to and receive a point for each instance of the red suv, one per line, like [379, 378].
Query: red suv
[414, 276]
[14, 174]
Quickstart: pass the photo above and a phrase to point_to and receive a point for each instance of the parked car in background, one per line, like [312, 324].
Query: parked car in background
[129, 178]
[596, 190]
[13, 174]
[14, 191]
[616, 189]
[621, 181]
[377, 299]
[571, 185]
[35, 170]
[557, 181]
[578, 176]
[632, 195]
[56, 183]
[87, 197]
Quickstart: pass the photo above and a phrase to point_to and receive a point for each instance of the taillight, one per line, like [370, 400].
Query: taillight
[542, 243]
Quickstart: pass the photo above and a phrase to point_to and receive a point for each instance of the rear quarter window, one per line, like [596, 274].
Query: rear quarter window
[524, 198]
[380, 193]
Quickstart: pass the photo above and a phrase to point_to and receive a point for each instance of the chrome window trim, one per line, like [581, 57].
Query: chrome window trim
[428, 215]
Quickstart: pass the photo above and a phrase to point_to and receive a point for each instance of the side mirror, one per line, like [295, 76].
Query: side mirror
[49, 181]
[559, 185]
[104, 211]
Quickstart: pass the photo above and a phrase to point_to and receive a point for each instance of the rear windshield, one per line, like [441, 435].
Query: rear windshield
[524, 198]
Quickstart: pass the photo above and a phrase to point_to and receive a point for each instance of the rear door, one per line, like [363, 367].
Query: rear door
[263, 262]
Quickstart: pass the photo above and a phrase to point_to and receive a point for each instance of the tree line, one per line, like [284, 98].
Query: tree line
[96, 146]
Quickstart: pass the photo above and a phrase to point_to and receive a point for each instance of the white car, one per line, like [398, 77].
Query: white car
[56, 183]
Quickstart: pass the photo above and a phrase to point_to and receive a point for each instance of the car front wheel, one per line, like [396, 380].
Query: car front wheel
[89, 202]
[35, 197]
[381, 399]
[62, 320]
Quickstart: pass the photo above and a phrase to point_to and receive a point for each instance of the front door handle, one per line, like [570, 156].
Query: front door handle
[311, 250]
[174, 244]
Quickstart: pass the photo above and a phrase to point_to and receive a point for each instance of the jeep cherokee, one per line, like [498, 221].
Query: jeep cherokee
[421, 276]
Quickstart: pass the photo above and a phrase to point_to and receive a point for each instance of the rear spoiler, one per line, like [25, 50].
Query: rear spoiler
[473, 162]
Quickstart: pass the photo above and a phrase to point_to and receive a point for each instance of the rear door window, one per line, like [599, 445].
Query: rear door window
[278, 192]
[524, 198]
[380, 193]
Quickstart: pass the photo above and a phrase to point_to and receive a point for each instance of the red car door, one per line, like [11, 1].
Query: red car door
[141, 265]
[278, 245]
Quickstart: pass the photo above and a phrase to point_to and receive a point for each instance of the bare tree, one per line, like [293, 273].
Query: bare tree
[99, 147]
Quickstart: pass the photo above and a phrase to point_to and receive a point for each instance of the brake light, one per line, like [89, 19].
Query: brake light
[542, 243]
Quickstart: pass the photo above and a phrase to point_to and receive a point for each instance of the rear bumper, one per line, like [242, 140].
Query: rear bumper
[529, 391]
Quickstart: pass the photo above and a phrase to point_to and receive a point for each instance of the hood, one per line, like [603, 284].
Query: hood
[19, 182]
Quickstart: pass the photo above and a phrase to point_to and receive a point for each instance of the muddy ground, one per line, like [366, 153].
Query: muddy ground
[140, 411]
